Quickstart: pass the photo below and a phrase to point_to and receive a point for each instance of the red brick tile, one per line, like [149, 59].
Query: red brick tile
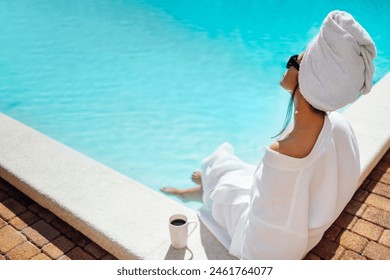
[386, 157]
[383, 166]
[35, 208]
[311, 256]
[40, 233]
[111, 257]
[332, 232]
[340, 250]
[52, 251]
[2, 223]
[64, 228]
[5, 186]
[367, 229]
[24, 220]
[10, 238]
[378, 201]
[63, 243]
[352, 241]
[355, 208]
[65, 258]
[365, 183]
[377, 216]
[327, 250]
[35, 237]
[9, 208]
[360, 195]
[380, 176]
[21, 197]
[47, 215]
[13, 205]
[351, 255]
[5, 213]
[40, 256]
[376, 251]
[79, 254]
[81, 240]
[3, 196]
[379, 188]
[385, 238]
[24, 251]
[345, 221]
[95, 250]
[58, 247]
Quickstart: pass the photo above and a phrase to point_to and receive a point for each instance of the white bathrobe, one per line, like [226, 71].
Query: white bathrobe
[280, 209]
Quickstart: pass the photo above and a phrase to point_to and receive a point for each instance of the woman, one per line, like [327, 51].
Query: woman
[281, 209]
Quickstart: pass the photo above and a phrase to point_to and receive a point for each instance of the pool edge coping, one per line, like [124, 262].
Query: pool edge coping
[76, 198]
[72, 189]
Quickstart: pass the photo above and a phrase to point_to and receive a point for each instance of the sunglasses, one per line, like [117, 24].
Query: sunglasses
[292, 62]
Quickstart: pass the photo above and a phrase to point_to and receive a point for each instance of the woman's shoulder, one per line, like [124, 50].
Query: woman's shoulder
[299, 145]
[340, 125]
[291, 148]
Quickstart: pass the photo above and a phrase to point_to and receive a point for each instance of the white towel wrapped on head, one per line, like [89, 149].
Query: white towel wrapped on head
[337, 66]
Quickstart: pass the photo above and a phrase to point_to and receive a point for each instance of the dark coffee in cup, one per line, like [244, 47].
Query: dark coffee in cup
[178, 222]
[178, 230]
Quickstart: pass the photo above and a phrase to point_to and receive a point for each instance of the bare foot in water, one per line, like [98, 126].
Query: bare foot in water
[194, 191]
[176, 191]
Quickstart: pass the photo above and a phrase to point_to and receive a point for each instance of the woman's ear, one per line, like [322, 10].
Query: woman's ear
[290, 79]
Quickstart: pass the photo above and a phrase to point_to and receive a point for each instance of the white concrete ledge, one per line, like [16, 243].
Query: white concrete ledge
[370, 119]
[124, 217]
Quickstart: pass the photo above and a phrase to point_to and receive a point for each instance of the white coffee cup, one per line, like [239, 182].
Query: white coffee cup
[178, 230]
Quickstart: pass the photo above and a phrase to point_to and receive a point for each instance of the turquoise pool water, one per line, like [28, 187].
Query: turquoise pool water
[151, 87]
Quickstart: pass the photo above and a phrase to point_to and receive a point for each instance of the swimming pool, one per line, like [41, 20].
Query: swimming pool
[151, 87]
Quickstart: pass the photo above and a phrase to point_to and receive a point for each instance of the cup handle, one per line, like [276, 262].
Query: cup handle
[192, 222]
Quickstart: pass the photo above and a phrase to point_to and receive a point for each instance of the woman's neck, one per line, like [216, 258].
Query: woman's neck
[306, 118]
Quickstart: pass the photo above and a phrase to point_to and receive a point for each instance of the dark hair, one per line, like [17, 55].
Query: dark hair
[287, 119]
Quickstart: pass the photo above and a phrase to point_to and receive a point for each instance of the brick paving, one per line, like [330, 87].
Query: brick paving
[30, 232]
[361, 232]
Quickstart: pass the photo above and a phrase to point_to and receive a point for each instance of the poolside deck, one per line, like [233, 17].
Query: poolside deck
[70, 185]
[362, 231]
[31, 232]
